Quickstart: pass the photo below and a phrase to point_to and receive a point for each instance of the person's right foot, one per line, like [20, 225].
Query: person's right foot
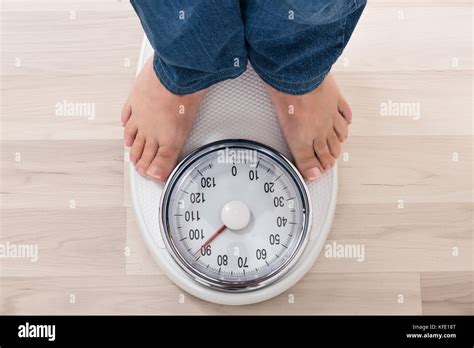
[314, 125]
[157, 124]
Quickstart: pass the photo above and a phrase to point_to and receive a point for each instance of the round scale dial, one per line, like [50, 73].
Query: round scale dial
[235, 215]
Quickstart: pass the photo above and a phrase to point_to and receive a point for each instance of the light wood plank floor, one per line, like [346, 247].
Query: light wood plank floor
[405, 182]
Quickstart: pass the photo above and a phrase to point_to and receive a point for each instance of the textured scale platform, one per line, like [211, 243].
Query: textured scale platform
[234, 109]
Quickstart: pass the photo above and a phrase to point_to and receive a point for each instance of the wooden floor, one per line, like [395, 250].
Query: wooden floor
[406, 183]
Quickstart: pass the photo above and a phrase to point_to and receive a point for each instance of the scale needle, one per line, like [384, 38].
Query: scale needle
[214, 236]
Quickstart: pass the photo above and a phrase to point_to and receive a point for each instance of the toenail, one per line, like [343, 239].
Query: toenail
[141, 170]
[313, 174]
[328, 165]
[154, 171]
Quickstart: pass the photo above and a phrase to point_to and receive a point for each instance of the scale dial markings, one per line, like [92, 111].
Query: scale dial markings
[235, 223]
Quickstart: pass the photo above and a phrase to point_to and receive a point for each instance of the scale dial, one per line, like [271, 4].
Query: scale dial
[235, 215]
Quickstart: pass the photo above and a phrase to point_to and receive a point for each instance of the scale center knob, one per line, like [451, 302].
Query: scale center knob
[235, 215]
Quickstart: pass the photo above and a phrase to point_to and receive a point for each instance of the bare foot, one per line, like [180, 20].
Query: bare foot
[314, 125]
[157, 124]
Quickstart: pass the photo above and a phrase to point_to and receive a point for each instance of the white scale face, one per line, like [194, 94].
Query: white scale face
[235, 215]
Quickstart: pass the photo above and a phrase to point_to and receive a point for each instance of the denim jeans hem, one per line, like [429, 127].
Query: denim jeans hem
[292, 88]
[204, 83]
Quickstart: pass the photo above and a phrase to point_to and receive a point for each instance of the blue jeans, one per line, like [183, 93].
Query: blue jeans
[291, 44]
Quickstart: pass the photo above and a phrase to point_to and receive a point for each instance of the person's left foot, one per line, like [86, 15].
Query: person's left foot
[314, 125]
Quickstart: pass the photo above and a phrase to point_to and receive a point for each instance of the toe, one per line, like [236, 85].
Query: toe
[129, 133]
[126, 113]
[307, 163]
[322, 152]
[149, 152]
[345, 110]
[164, 162]
[341, 127]
[137, 148]
[334, 145]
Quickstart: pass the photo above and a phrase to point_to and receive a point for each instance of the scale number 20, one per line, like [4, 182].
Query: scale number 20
[269, 187]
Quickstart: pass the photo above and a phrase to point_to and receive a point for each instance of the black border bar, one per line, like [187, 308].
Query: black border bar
[217, 330]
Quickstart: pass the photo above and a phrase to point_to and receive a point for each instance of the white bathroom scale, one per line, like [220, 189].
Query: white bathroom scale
[235, 223]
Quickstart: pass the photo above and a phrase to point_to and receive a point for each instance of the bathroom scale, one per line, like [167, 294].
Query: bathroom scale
[235, 223]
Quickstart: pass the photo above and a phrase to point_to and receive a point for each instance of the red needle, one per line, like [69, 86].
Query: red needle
[211, 238]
